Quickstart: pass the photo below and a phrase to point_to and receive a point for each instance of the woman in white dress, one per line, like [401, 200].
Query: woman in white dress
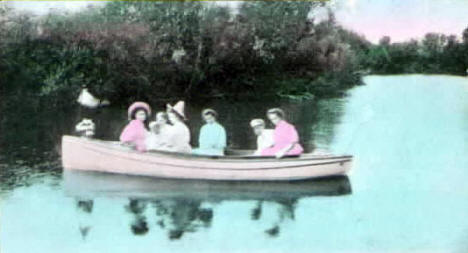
[157, 136]
[178, 134]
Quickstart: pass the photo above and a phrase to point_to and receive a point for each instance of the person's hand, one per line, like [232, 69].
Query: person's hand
[128, 144]
[279, 154]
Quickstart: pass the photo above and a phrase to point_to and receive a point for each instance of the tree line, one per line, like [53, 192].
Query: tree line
[165, 50]
[155, 50]
[434, 54]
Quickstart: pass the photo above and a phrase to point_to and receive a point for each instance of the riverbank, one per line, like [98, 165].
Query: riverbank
[434, 54]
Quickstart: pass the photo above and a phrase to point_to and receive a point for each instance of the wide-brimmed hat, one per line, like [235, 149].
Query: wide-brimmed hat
[179, 108]
[137, 105]
[257, 122]
[208, 111]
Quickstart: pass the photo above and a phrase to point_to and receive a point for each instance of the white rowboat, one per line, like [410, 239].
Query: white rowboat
[80, 153]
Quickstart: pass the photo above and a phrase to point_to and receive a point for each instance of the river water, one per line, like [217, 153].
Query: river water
[406, 191]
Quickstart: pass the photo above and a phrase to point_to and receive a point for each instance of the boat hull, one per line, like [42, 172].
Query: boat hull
[89, 185]
[94, 155]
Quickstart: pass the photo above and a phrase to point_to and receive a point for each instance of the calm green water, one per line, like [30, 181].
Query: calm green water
[407, 190]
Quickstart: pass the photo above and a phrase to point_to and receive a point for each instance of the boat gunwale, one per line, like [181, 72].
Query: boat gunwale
[226, 169]
[224, 159]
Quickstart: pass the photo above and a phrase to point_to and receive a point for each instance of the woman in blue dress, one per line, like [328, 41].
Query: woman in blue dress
[212, 139]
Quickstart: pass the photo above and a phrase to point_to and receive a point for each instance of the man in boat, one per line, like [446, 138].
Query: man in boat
[212, 139]
[264, 136]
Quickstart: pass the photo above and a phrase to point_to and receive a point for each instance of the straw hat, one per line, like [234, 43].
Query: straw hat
[179, 108]
[136, 105]
[257, 122]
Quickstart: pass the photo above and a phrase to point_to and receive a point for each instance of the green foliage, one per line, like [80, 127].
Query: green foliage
[436, 53]
[154, 50]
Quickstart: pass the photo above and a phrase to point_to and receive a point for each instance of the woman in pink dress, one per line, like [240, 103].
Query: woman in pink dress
[135, 133]
[286, 138]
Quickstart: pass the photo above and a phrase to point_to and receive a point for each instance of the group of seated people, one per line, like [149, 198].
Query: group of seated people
[170, 133]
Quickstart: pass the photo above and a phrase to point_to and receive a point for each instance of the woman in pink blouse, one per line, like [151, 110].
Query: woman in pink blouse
[135, 133]
[286, 138]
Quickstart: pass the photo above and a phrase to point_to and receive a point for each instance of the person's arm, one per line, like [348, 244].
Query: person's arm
[202, 137]
[259, 147]
[127, 134]
[294, 137]
[269, 139]
[285, 150]
[221, 140]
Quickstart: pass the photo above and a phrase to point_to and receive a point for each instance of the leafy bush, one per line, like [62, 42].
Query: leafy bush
[154, 50]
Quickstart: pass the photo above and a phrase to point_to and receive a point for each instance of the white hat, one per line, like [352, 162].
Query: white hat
[209, 110]
[257, 122]
[137, 105]
[178, 108]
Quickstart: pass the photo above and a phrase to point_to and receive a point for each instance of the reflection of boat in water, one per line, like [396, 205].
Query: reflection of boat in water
[186, 206]
[95, 155]
[92, 184]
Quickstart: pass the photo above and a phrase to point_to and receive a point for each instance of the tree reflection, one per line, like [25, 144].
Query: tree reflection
[257, 211]
[138, 226]
[85, 205]
[84, 208]
[285, 212]
[185, 206]
[179, 216]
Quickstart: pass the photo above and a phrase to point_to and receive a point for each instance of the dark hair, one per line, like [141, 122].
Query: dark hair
[134, 112]
[210, 113]
[277, 111]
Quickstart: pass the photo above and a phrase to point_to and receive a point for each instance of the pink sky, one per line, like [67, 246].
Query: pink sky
[399, 19]
[403, 19]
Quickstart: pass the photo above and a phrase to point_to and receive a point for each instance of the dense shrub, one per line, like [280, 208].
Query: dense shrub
[434, 54]
[164, 50]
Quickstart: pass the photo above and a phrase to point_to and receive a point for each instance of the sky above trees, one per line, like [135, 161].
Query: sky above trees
[403, 19]
[399, 19]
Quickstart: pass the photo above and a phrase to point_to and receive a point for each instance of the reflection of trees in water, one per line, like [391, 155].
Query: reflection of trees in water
[85, 205]
[85, 208]
[327, 116]
[257, 210]
[187, 207]
[240, 135]
[179, 216]
[285, 212]
[139, 225]
[314, 120]
[175, 215]
[30, 147]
